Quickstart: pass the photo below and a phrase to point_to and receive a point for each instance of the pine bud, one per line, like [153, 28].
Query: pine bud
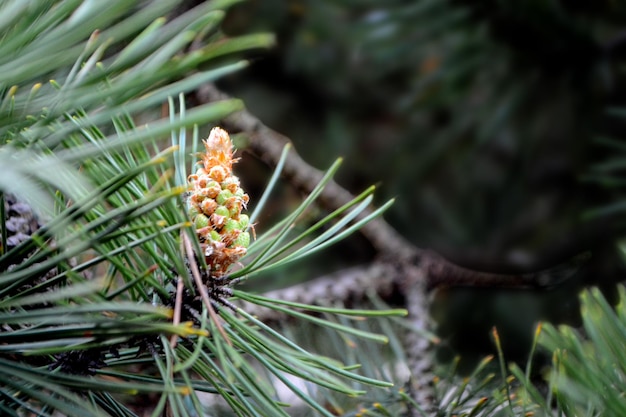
[215, 204]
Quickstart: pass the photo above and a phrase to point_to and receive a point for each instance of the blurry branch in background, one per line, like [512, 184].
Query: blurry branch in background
[268, 144]
[399, 268]
[394, 252]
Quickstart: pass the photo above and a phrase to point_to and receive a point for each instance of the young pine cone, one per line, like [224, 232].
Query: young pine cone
[215, 202]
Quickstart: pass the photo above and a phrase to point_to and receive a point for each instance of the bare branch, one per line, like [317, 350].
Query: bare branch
[268, 144]
[345, 285]
[392, 248]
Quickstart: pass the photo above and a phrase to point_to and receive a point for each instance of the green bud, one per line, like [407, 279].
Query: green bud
[244, 220]
[239, 193]
[230, 224]
[222, 211]
[223, 196]
[242, 240]
[215, 236]
[201, 221]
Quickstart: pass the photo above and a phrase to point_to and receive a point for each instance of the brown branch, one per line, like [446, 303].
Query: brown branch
[345, 285]
[391, 247]
[268, 145]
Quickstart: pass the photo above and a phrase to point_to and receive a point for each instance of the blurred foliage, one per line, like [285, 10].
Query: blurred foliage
[482, 118]
[478, 115]
[493, 124]
[589, 365]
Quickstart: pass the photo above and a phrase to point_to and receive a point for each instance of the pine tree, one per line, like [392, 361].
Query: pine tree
[120, 273]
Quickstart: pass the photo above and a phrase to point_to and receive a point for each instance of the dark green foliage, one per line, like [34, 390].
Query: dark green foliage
[479, 114]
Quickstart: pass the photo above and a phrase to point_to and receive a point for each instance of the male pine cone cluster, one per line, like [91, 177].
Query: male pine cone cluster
[215, 203]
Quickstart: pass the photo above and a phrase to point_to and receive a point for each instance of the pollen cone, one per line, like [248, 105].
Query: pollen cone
[215, 204]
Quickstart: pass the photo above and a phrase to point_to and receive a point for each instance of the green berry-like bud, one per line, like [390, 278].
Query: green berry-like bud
[230, 224]
[242, 240]
[222, 211]
[201, 221]
[212, 189]
[223, 196]
[244, 220]
[215, 236]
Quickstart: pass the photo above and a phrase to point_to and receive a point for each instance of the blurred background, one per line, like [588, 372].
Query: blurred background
[495, 124]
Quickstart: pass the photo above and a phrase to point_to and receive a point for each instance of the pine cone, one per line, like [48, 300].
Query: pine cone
[20, 221]
[215, 203]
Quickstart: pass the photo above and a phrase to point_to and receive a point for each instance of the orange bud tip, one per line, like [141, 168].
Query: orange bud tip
[495, 334]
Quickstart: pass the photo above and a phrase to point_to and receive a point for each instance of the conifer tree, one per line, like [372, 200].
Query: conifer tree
[127, 237]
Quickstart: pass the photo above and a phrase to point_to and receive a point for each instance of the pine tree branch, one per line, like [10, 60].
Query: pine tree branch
[391, 247]
[268, 145]
[420, 361]
[345, 285]
[400, 264]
